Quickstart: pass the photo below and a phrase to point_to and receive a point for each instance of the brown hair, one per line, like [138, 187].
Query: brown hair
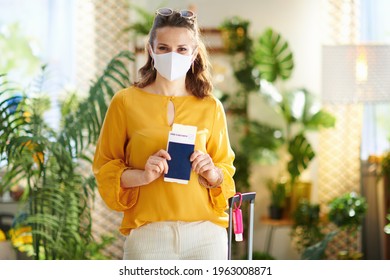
[198, 80]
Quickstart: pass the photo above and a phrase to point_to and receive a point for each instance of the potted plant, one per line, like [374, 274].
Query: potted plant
[298, 109]
[278, 199]
[259, 65]
[306, 230]
[51, 164]
[347, 213]
[249, 146]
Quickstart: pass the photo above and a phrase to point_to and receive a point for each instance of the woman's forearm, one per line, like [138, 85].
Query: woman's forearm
[133, 178]
[155, 166]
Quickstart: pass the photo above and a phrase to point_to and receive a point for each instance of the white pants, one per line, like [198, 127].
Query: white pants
[177, 241]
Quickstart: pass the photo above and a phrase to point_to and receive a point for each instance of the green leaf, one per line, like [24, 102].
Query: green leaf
[317, 251]
[321, 119]
[347, 211]
[302, 153]
[59, 188]
[260, 141]
[273, 56]
[91, 112]
[144, 25]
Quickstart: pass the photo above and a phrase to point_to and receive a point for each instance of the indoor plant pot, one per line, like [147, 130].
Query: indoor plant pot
[278, 199]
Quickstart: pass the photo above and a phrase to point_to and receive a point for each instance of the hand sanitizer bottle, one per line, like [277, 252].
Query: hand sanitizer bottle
[237, 224]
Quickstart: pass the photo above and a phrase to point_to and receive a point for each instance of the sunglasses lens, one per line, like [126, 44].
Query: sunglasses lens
[186, 14]
[165, 11]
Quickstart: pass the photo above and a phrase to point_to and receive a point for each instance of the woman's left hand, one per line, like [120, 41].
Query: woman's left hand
[203, 165]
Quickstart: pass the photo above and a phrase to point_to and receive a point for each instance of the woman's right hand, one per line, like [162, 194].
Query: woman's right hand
[156, 165]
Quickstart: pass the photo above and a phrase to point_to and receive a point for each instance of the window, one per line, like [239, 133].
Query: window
[48, 26]
[375, 28]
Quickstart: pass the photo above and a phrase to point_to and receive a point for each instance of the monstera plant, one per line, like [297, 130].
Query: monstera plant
[260, 66]
[298, 108]
[53, 165]
[250, 146]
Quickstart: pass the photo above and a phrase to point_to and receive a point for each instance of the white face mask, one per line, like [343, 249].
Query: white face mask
[172, 66]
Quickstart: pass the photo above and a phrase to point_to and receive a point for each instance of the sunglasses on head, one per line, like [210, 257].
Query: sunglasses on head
[166, 12]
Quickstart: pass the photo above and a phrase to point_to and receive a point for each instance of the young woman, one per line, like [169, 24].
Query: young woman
[168, 220]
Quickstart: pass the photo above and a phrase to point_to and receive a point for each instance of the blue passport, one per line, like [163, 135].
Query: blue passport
[179, 165]
[181, 144]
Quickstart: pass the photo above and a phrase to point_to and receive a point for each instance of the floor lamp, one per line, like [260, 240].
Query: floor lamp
[360, 74]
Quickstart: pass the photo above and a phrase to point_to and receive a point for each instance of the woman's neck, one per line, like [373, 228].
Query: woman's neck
[167, 88]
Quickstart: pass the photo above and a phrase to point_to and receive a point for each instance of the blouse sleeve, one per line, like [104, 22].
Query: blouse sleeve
[109, 159]
[223, 156]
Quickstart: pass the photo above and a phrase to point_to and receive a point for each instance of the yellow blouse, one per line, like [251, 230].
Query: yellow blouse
[135, 127]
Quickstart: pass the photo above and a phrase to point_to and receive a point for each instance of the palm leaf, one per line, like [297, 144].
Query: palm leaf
[55, 216]
[12, 117]
[142, 27]
[82, 128]
[58, 187]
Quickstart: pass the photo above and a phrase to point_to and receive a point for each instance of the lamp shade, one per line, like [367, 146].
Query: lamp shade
[355, 73]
